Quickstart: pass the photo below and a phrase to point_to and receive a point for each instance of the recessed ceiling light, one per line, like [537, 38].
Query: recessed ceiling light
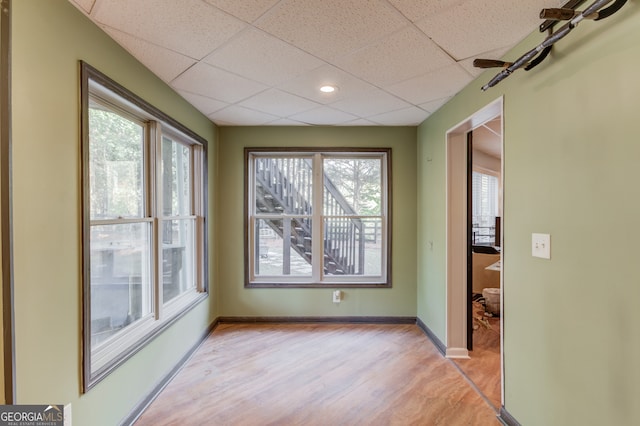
[328, 89]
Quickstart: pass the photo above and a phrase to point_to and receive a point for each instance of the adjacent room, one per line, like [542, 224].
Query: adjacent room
[320, 211]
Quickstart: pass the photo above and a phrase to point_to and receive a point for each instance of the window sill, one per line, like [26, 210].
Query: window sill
[110, 356]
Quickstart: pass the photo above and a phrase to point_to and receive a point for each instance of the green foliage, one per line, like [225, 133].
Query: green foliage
[359, 181]
[116, 165]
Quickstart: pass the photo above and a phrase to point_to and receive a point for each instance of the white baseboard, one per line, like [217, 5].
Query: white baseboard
[457, 353]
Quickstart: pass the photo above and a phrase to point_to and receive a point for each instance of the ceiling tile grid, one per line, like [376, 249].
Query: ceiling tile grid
[280, 103]
[476, 26]
[247, 10]
[400, 56]
[323, 116]
[308, 85]
[190, 27]
[370, 103]
[165, 63]
[331, 28]
[204, 104]
[262, 57]
[262, 62]
[84, 5]
[218, 84]
[237, 115]
[437, 84]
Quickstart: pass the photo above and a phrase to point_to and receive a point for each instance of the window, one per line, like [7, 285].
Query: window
[485, 191]
[317, 218]
[143, 222]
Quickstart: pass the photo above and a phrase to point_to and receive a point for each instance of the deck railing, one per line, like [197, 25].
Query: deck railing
[284, 186]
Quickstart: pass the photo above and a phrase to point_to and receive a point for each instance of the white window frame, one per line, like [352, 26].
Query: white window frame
[100, 360]
[317, 279]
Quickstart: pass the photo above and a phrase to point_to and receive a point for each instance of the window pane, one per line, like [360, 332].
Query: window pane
[274, 256]
[176, 178]
[352, 246]
[283, 185]
[116, 153]
[352, 186]
[485, 191]
[120, 277]
[178, 259]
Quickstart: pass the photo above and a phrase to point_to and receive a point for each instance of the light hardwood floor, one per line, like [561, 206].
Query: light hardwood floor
[483, 366]
[318, 374]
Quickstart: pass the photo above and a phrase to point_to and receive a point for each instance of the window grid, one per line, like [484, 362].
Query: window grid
[333, 245]
[130, 265]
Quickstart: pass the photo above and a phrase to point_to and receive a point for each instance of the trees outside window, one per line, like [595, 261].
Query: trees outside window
[317, 217]
[143, 222]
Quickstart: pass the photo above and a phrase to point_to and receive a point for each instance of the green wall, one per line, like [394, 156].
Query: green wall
[571, 158]
[235, 300]
[48, 39]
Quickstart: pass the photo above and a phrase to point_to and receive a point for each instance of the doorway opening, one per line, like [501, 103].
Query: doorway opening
[474, 254]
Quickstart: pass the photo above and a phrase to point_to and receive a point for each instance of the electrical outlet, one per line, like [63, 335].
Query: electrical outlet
[541, 246]
[337, 296]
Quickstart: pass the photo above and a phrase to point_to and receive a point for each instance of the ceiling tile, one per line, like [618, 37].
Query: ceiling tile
[411, 116]
[438, 84]
[265, 60]
[262, 57]
[164, 63]
[202, 103]
[371, 102]
[84, 5]
[433, 106]
[476, 26]
[240, 116]
[330, 28]
[405, 54]
[216, 83]
[323, 116]
[287, 122]
[415, 10]
[308, 85]
[247, 10]
[183, 26]
[360, 122]
[279, 103]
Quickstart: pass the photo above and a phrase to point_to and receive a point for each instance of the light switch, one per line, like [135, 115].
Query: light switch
[541, 245]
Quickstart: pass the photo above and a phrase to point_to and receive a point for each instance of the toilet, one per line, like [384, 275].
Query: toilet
[492, 300]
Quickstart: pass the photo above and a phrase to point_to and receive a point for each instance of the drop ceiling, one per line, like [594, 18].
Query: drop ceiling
[262, 62]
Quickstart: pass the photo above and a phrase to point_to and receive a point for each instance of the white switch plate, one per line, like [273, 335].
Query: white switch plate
[337, 296]
[541, 246]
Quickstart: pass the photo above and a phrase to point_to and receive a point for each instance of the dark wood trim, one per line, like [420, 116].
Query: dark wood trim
[329, 285]
[136, 100]
[87, 74]
[389, 214]
[245, 196]
[326, 320]
[431, 335]
[164, 381]
[8, 335]
[468, 301]
[506, 418]
[85, 217]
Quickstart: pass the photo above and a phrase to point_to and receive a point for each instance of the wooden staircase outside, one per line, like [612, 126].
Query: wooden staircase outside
[284, 186]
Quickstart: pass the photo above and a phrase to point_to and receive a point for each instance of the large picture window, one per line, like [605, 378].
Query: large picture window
[317, 218]
[143, 222]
